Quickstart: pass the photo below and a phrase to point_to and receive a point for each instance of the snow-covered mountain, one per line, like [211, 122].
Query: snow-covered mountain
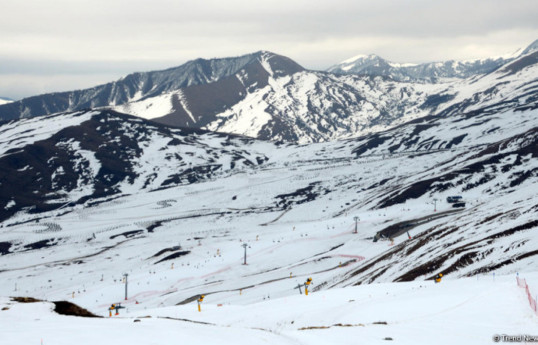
[89, 196]
[60, 159]
[101, 192]
[268, 96]
[310, 106]
[93, 199]
[425, 72]
[304, 107]
[138, 86]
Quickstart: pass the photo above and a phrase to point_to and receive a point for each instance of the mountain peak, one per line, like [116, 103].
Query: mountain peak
[360, 57]
[143, 85]
[362, 64]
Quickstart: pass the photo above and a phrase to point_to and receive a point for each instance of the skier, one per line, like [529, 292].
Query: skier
[438, 278]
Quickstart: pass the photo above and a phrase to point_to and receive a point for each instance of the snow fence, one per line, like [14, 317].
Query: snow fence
[523, 284]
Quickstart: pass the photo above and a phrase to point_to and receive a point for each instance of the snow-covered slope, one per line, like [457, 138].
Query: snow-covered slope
[268, 96]
[75, 157]
[303, 107]
[109, 194]
[464, 311]
[138, 86]
[309, 106]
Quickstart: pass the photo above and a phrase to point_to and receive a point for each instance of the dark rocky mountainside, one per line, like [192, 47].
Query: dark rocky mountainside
[138, 86]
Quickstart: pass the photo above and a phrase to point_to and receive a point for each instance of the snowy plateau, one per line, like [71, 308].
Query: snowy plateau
[99, 207]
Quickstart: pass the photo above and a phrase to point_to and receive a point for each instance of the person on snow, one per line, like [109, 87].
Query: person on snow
[438, 278]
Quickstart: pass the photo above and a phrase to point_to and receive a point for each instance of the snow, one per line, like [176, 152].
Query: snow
[185, 105]
[464, 311]
[318, 107]
[402, 64]
[149, 108]
[208, 211]
[491, 89]
[264, 60]
[311, 98]
[357, 57]
[247, 117]
[10, 204]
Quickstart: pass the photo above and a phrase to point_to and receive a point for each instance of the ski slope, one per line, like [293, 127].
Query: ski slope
[462, 311]
[294, 206]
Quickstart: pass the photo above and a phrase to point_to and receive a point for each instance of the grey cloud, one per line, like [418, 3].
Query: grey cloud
[108, 37]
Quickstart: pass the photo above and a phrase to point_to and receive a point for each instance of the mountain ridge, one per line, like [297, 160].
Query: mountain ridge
[271, 97]
[135, 86]
[425, 72]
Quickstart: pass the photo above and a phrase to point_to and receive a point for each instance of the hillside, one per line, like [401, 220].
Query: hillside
[429, 72]
[270, 97]
[91, 195]
[136, 86]
[310, 106]
[180, 203]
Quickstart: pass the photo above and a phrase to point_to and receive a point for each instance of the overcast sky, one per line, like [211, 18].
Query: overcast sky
[59, 45]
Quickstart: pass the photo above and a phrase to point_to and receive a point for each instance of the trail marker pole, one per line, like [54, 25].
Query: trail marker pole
[245, 258]
[356, 219]
[125, 275]
[434, 205]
